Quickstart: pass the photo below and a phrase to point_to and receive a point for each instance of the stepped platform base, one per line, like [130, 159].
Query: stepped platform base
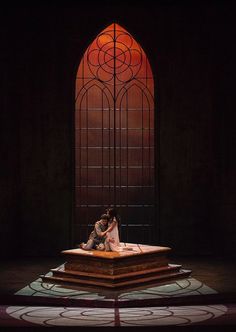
[136, 264]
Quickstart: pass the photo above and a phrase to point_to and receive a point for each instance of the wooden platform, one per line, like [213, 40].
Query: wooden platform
[142, 264]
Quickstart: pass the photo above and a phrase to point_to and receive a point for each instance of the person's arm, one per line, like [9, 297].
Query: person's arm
[110, 228]
[98, 230]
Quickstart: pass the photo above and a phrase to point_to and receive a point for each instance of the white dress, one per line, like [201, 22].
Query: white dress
[113, 240]
[112, 237]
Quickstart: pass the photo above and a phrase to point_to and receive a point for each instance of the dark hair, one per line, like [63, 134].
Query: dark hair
[112, 212]
[104, 217]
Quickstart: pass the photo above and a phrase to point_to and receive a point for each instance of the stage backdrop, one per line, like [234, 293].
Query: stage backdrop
[191, 52]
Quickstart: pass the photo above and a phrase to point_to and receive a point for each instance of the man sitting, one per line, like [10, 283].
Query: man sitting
[98, 235]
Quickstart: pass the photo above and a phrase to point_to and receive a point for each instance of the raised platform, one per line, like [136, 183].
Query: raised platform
[142, 264]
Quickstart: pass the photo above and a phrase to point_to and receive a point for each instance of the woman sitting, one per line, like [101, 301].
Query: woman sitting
[112, 241]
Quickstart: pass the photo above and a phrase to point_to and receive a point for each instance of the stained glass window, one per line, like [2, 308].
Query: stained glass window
[114, 125]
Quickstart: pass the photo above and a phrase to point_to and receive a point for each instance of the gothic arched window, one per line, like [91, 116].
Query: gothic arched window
[114, 120]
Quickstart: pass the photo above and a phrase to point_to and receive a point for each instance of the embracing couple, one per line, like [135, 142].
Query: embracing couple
[105, 235]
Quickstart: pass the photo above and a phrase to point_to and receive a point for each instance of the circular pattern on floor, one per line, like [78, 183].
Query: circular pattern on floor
[149, 316]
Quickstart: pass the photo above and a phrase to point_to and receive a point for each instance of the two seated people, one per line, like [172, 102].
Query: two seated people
[105, 235]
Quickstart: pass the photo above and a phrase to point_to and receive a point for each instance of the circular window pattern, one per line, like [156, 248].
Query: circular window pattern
[114, 55]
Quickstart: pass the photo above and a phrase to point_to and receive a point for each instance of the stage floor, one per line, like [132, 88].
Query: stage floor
[48, 304]
[80, 307]
[179, 288]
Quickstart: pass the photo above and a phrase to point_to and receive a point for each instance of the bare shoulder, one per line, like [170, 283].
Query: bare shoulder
[113, 221]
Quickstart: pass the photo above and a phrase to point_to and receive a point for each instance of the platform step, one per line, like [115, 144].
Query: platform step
[118, 284]
[62, 272]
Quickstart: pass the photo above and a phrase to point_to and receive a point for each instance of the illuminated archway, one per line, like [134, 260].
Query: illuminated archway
[114, 124]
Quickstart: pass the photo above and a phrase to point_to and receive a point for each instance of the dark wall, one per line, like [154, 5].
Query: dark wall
[192, 52]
